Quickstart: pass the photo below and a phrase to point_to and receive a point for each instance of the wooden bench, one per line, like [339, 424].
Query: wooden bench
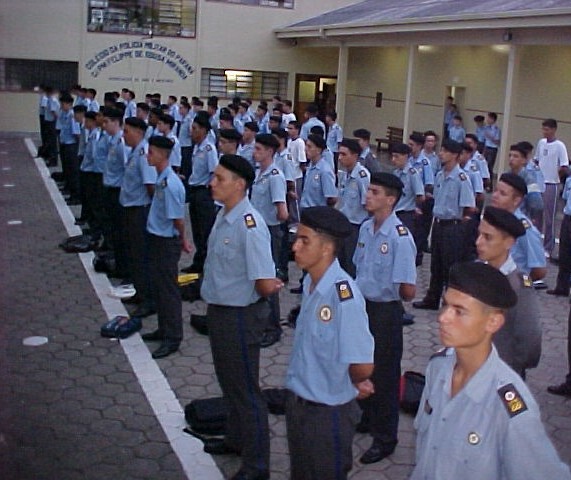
[394, 135]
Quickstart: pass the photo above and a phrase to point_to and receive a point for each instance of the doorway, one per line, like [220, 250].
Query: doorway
[459, 96]
[318, 89]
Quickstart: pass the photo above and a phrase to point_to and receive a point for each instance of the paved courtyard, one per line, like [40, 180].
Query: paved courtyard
[81, 406]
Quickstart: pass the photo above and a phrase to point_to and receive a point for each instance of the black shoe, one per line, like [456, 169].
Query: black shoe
[80, 221]
[134, 300]
[217, 446]
[564, 389]
[376, 453]
[557, 292]
[270, 337]
[191, 269]
[363, 427]
[297, 290]
[407, 319]
[155, 336]
[426, 305]
[164, 350]
[143, 312]
[539, 285]
[73, 201]
[259, 475]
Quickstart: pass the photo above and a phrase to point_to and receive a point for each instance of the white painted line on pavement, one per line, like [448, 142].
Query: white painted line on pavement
[195, 463]
[14, 222]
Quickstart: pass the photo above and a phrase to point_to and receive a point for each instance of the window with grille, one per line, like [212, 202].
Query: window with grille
[170, 18]
[18, 75]
[226, 83]
[262, 3]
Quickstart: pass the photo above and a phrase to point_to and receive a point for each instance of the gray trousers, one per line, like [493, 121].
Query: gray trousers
[320, 439]
[137, 249]
[549, 210]
[235, 334]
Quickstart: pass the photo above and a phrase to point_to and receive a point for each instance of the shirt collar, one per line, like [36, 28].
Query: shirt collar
[328, 278]
[509, 266]
[236, 212]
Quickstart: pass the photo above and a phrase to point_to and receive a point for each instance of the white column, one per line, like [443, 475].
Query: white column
[410, 97]
[508, 133]
[342, 82]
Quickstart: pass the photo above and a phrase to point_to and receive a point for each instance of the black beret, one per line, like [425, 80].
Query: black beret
[156, 111]
[387, 180]
[351, 144]
[137, 123]
[317, 140]
[417, 138]
[230, 134]
[109, 97]
[483, 282]
[66, 98]
[327, 220]
[168, 119]
[451, 146]
[362, 133]
[515, 181]
[79, 109]
[268, 140]
[227, 116]
[280, 133]
[504, 220]
[252, 126]
[91, 115]
[240, 166]
[202, 120]
[400, 148]
[111, 112]
[163, 143]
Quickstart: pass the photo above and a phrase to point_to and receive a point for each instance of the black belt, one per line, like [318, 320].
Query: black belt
[308, 403]
[453, 221]
[174, 237]
[197, 187]
[257, 302]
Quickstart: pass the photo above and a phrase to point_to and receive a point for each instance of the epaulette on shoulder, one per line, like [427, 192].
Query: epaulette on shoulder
[443, 352]
[525, 223]
[275, 171]
[512, 400]
[208, 148]
[527, 281]
[344, 291]
[463, 176]
[249, 220]
[402, 230]
[363, 173]
[412, 170]
[424, 161]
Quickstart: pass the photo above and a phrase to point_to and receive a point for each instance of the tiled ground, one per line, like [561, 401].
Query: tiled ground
[73, 408]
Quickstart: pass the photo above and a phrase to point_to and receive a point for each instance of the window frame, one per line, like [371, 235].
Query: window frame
[39, 74]
[247, 3]
[255, 88]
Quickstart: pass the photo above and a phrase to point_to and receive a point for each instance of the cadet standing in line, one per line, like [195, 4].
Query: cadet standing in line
[528, 249]
[353, 184]
[200, 204]
[135, 197]
[454, 204]
[319, 186]
[69, 131]
[332, 355]
[268, 197]
[477, 419]
[165, 227]
[238, 276]
[386, 275]
[334, 136]
[367, 158]
[519, 341]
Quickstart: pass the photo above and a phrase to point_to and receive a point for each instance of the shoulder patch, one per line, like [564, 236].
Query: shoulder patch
[402, 230]
[527, 281]
[424, 161]
[462, 176]
[440, 353]
[412, 170]
[208, 148]
[344, 290]
[275, 171]
[525, 223]
[249, 220]
[163, 183]
[363, 173]
[474, 168]
[512, 400]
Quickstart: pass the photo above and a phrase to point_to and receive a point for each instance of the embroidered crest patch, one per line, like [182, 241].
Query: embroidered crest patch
[325, 313]
[384, 247]
[344, 290]
[249, 220]
[402, 230]
[525, 223]
[362, 173]
[462, 176]
[512, 400]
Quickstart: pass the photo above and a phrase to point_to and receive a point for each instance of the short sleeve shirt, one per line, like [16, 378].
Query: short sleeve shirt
[452, 193]
[115, 165]
[269, 188]
[527, 250]
[138, 174]
[319, 185]
[353, 192]
[413, 187]
[204, 162]
[167, 204]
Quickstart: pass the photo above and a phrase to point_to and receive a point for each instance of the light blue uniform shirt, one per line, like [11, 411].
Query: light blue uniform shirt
[101, 152]
[167, 204]
[184, 132]
[327, 155]
[204, 161]
[263, 124]
[334, 137]
[82, 140]
[88, 164]
[456, 133]
[130, 109]
[527, 250]
[285, 164]
[384, 259]
[247, 151]
[268, 188]
[480, 133]
[422, 165]
[434, 161]
[52, 109]
[175, 157]
[472, 170]
[413, 187]
[352, 193]
[138, 174]
[482, 163]
[452, 194]
[493, 131]
[239, 253]
[307, 126]
[491, 428]
[68, 127]
[115, 165]
[567, 196]
[332, 332]
[319, 185]
[93, 106]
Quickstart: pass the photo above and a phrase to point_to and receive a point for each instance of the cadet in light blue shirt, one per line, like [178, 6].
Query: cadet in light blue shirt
[268, 189]
[332, 355]
[246, 149]
[167, 205]
[115, 165]
[204, 161]
[69, 135]
[420, 162]
[413, 187]
[335, 132]
[452, 194]
[319, 187]
[165, 127]
[311, 121]
[138, 174]
[456, 131]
